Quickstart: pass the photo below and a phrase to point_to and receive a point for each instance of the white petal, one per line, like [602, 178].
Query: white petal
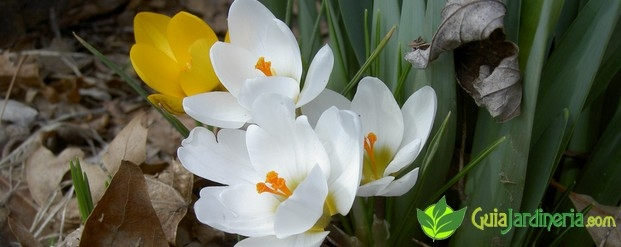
[270, 153]
[300, 212]
[308, 239]
[217, 109]
[405, 156]
[248, 22]
[237, 209]
[281, 49]
[274, 113]
[379, 113]
[373, 188]
[401, 185]
[326, 99]
[309, 149]
[216, 161]
[340, 132]
[255, 87]
[318, 75]
[233, 65]
[419, 111]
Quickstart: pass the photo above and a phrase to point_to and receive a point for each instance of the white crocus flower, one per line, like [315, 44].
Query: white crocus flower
[283, 180]
[393, 137]
[262, 57]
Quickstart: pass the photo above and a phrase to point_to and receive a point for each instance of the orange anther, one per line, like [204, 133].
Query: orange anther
[369, 143]
[274, 184]
[263, 66]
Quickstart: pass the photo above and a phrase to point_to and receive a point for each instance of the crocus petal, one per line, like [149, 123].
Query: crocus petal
[281, 48]
[282, 141]
[318, 75]
[170, 103]
[271, 153]
[202, 155]
[237, 209]
[258, 86]
[200, 77]
[150, 29]
[374, 187]
[300, 211]
[183, 30]
[248, 21]
[275, 113]
[217, 109]
[233, 65]
[156, 69]
[405, 156]
[341, 134]
[326, 99]
[308, 239]
[419, 112]
[401, 185]
[379, 113]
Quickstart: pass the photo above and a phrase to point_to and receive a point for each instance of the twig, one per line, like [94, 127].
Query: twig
[8, 92]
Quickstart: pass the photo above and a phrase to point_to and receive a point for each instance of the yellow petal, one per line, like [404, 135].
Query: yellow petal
[183, 30]
[171, 104]
[200, 77]
[150, 28]
[227, 38]
[156, 69]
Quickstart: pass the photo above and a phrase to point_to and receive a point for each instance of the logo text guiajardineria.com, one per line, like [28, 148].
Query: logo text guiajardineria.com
[507, 220]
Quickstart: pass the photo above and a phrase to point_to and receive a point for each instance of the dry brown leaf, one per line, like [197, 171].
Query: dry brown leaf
[28, 73]
[129, 144]
[24, 237]
[486, 64]
[44, 171]
[170, 195]
[124, 216]
[602, 236]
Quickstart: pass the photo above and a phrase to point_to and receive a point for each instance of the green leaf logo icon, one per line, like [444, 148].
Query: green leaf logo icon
[439, 221]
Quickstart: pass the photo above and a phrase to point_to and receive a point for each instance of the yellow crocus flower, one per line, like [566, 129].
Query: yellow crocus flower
[171, 55]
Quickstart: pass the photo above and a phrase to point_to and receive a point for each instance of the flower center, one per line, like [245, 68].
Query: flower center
[369, 144]
[376, 159]
[264, 66]
[274, 184]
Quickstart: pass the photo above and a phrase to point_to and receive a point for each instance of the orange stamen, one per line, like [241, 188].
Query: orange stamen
[274, 184]
[369, 143]
[263, 66]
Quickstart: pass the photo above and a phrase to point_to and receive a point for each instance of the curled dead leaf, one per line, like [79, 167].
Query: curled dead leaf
[486, 64]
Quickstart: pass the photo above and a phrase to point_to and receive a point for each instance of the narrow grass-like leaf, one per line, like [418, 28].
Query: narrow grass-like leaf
[352, 12]
[604, 187]
[134, 85]
[340, 71]
[473, 163]
[308, 22]
[354, 81]
[582, 50]
[82, 189]
[545, 156]
[388, 12]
